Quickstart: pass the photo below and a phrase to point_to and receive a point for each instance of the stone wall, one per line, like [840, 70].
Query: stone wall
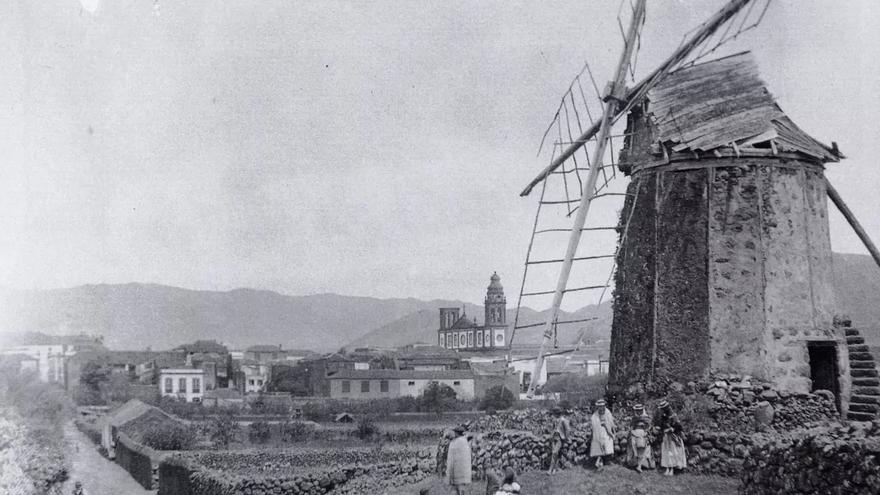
[290, 473]
[137, 459]
[723, 418]
[831, 459]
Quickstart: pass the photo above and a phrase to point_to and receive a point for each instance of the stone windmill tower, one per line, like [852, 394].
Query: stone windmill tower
[727, 262]
[722, 259]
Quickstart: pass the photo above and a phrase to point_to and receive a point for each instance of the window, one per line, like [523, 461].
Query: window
[197, 386]
[181, 385]
[499, 339]
[454, 340]
[259, 383]
[383, 386]
[411, 384]
[462, 339]
[250, 382]
[456, 383]
[470, 339]
[365, 386]
[346, 386]
[479, 339]
[442, 340]
[169, 386]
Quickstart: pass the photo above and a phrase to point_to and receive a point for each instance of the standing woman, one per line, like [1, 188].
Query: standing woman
[602, 422]
[672, 453]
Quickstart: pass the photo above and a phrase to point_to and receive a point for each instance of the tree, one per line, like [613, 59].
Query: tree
[437, 397]
[93, 375]
[497, 398]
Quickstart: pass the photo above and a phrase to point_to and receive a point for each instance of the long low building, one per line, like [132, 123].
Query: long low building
[375, 384]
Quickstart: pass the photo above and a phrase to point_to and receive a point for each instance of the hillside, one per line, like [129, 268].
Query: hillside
[857, 290]
[135, 316]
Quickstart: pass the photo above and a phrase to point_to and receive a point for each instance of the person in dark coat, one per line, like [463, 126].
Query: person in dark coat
[672, 454]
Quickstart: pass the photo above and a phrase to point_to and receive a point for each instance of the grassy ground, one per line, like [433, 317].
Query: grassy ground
[611, 480]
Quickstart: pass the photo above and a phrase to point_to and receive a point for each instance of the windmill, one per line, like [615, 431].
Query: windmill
[657, 133]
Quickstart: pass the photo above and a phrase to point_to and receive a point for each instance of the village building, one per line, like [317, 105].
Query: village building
[463, 334]
[379, 383]
[254, 376]
[264, 353]
[182, 383]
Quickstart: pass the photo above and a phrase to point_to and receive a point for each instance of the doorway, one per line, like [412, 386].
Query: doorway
[823, 367]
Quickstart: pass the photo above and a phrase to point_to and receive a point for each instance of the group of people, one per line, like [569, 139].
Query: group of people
[639, 453]
[664, 426]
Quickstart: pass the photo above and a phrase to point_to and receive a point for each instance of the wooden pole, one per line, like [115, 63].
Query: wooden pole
[645, 84]
[611, 104]
[853, 222]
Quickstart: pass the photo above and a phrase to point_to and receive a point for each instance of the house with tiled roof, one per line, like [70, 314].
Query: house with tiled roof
[379, 383]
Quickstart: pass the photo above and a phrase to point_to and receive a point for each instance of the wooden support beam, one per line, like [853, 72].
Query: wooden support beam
[853, 222]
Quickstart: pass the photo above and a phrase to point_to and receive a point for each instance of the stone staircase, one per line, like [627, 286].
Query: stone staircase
[864, 402]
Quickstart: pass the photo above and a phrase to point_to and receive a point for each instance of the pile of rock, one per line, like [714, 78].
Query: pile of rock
[742, 402]
[830, 459]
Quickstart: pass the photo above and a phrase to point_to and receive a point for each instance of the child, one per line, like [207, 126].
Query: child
[639, 439]
[509, 486]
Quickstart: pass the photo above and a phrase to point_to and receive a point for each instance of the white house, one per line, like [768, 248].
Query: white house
[379, 383]
[183, 383]
[256, 376]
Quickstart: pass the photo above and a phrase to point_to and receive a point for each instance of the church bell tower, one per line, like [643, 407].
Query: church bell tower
[496, 312]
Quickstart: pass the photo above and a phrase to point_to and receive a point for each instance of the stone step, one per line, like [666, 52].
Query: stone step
[860, 356]
[863, 364]
[855, 340]
[860, 348]
[851, 332]
[866, 408]
[862, 373]
[857, 416]
[865, 390]
[865, 399]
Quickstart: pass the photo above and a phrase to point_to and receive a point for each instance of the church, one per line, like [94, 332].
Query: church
[460, 333]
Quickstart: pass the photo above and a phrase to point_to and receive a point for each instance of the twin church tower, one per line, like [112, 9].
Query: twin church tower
[458, 332]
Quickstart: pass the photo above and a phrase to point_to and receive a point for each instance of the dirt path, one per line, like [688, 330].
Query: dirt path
[98, 475]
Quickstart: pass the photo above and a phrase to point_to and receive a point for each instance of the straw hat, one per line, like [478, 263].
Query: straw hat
[663, 404]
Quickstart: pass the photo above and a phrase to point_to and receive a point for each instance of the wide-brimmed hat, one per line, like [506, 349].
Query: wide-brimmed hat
[459, 429]
[600, 402]
[663, 404]
[556, 410]
[638, 407]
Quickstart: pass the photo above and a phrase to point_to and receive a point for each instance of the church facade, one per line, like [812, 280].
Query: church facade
[460, 333]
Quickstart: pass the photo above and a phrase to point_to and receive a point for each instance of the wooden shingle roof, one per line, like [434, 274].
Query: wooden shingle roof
[714, 104]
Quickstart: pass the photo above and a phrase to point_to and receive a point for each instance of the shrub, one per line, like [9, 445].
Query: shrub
[223, 428]
[169, 436]
[437, 397]
[497, 398]
[294, 431]
[259, 432]
[366, 428]
[578, 388]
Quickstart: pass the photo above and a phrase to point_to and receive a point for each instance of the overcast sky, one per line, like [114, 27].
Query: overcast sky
[364, 148]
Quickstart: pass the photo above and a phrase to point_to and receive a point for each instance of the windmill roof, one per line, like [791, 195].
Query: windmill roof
[711, 105]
